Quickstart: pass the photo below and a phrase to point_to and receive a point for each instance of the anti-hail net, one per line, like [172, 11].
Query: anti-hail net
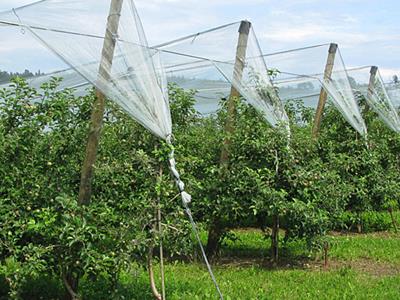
[234, 57]
[301, 75]
[104, 42]
[205, 62]
[393, 90]
[368, 84]
[75, 30]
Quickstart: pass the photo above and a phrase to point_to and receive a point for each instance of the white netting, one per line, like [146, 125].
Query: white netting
[208, 91]
[393, 90]
[126, 71]
[367, 83]
[301, 74]
[104, 42]
[219, 47]
[20, 52]
[205, 62]
[197, 74]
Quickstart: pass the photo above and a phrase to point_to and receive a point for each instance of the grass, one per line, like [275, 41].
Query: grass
[362, 266]
[192, 282]
[381, 247]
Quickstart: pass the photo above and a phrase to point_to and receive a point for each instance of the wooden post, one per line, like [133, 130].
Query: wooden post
[241, 50]
[371, 85]
[160, 232]
[96, 121]
[155, 227]
[394, 223]
[326, 253]
[323, 96]
[216, 230]
[153, 286]
[372, 78]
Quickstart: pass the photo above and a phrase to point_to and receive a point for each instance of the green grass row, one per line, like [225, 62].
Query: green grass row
[365, 266]
[192, 282]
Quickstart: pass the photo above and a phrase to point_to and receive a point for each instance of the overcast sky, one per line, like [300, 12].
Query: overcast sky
[367, 31]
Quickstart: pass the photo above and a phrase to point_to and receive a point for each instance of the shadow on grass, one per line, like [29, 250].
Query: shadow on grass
[251, 248]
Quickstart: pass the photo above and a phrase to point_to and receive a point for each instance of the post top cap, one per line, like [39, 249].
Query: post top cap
[374, 70]
[333, 48]
[245, 27]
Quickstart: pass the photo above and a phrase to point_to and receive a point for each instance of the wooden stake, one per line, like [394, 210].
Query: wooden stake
[215, 230]
[96, 121]
[394, 223]
[160, 232]
[153, 286]
[371, 85]
[323, 96]
[326, 257]
[372, 78]
[241, 50]
[275, 223]
[275, 239]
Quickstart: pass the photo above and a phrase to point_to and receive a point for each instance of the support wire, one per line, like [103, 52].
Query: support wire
[186, 198]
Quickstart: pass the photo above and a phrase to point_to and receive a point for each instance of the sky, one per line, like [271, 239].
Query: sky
[368, 32]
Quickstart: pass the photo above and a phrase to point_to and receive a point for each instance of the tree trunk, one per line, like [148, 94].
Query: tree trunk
[214, 237]
[359, 228]
[71, 283]
[275, 239]
[326, 258]
[394, 223]
[154, 290]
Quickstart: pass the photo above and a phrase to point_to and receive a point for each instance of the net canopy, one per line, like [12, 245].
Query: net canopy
[393, 90]
[300, 74]
[209, 84]
[233, 56]
[204, 62]
[104, 42]
[368, 83]
[20, 52]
